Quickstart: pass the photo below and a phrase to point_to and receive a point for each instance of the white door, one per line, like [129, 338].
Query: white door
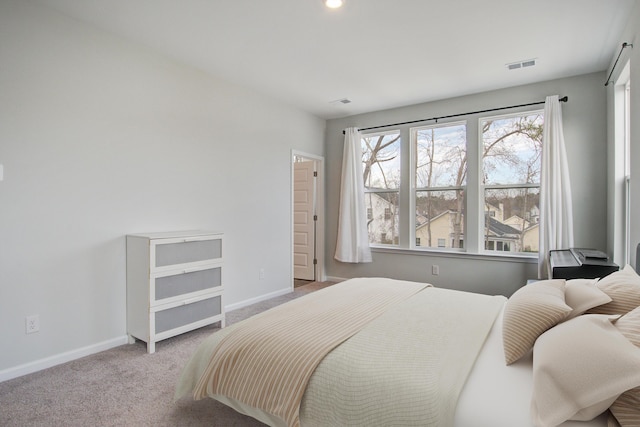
[303, 220]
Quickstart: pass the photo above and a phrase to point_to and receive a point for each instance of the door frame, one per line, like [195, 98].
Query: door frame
[320, 211]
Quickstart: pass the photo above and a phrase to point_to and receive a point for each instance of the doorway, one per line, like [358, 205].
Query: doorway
[307, 221]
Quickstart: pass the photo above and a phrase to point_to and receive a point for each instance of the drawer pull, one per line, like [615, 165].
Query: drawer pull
[189, 301]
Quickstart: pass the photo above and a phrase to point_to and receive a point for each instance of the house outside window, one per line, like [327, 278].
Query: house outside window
[381, 173]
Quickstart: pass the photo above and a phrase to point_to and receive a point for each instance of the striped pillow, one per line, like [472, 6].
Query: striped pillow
[529, 312]
[624, 289]
[626, 409]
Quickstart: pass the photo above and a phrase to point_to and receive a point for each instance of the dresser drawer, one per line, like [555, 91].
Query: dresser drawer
[171, 253]
[178, 284]
[187, 314]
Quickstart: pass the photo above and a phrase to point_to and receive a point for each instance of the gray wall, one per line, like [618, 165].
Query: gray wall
[100, 138]
[585, 136]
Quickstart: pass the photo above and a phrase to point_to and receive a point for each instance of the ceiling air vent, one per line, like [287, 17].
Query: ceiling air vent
[521, 64]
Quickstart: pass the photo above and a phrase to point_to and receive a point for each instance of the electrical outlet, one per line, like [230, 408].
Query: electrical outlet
[435, 270]
[32, 324]
[261, 274]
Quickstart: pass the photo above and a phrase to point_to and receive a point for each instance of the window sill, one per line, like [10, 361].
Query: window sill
[507, 257]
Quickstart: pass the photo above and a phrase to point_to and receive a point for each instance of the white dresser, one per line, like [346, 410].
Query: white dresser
[174, 284]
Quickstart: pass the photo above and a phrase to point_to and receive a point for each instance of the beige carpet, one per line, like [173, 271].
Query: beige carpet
[124, 386]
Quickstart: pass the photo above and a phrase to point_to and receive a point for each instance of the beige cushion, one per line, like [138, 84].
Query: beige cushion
[529, 312]
[624, 289]
[583, 294]
[629, 325]
[568, 385]
[611, 421]
[626, 408]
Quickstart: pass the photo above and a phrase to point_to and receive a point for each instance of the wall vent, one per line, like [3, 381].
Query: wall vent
[521, 64]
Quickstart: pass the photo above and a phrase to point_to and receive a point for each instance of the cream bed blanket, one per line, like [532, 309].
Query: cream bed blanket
[406, 366]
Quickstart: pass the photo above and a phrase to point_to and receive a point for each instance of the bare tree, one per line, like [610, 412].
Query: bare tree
[526, 169]
[379, 149]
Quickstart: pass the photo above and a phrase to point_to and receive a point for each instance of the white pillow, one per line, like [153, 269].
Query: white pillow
[579, 368]
[582, 295]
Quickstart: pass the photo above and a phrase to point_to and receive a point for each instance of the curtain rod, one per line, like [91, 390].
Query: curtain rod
[563, 99]
[624, 45]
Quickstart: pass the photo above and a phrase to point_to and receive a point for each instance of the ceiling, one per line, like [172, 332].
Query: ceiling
[378, 54]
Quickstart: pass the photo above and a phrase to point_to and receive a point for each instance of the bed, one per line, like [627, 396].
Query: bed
[426, 356]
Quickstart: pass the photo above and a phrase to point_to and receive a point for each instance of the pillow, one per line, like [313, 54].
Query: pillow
[529, 312]
[629, 326]
[582, 294]
[626, 409]
[580, 368]
[624, 289]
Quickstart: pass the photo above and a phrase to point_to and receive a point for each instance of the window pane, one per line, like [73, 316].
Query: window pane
[440, 218]
[512, 148]
[383, 224]
[441, 156]
[381, 161]
[511, 219]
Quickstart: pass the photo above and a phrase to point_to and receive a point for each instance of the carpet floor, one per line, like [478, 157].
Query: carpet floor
[125, 386]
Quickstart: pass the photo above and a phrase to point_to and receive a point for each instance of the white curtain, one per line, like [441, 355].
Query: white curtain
[556, 214]
[353, 238]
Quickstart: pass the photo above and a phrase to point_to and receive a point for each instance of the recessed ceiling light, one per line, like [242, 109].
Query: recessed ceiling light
[333, 4]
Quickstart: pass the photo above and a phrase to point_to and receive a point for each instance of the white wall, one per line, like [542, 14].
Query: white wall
[100, 138]
[585, 136]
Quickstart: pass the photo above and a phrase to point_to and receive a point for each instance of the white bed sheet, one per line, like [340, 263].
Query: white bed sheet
[497, 395]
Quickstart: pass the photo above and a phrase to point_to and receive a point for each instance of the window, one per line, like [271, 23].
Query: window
[621, 172]
[511, 150]
[381, 173]
[440, 171]
[495, 210]
[627, 170]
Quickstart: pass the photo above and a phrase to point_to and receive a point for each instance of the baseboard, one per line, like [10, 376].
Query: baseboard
[335, 279]
[260, 298]
[48, 362]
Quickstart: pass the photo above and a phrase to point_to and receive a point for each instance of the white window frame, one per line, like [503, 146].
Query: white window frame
[619, 208]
